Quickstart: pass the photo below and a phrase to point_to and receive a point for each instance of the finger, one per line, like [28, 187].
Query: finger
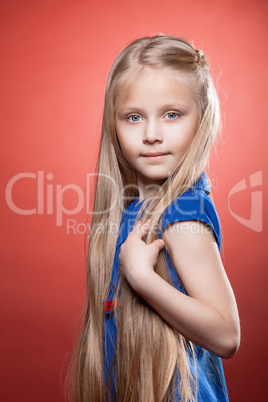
[159, 244]
[137, 225]
[143, 229]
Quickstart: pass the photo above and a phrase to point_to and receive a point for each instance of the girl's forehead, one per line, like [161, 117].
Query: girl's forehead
[155, 80]
[146, 72]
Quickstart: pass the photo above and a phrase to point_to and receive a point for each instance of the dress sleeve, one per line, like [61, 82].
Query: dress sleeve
[194, 204]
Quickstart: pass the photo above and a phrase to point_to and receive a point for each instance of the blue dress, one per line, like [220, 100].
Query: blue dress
[194, 204]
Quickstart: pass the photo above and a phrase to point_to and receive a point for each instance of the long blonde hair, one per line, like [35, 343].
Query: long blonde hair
[159, 354]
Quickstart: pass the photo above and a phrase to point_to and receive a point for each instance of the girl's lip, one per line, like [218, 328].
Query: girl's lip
[155, 157]
[155, 154]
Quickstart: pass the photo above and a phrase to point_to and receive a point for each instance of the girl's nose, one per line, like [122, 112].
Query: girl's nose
[152, 133]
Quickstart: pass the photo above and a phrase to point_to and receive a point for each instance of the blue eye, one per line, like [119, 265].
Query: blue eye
[134, 118]
[172, 115]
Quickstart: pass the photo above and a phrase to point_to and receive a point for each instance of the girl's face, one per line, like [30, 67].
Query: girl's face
[155, 124]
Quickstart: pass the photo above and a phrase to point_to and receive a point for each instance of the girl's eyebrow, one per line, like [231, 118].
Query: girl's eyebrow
[161, 109]
[130, 109]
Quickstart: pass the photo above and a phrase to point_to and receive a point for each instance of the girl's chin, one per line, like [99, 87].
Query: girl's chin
[152, 181]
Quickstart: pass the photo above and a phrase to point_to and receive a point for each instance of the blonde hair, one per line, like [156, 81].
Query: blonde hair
[159, 354]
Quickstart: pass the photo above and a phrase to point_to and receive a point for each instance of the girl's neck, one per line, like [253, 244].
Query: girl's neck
[145, 187]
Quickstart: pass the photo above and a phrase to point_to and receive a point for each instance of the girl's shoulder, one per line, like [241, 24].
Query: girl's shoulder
[194, 204]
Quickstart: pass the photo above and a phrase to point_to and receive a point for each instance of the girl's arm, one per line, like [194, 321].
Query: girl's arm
[208, 315]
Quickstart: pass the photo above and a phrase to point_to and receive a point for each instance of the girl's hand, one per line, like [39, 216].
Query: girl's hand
[137, 259]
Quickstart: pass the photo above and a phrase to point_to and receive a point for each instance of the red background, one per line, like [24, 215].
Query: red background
[55, 58]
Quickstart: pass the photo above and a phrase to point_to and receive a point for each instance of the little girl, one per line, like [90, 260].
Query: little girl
[160, 312]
